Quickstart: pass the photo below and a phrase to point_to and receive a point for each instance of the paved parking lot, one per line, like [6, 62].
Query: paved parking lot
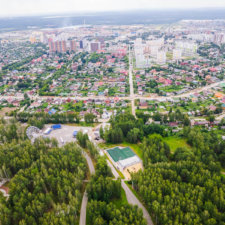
[65, 134]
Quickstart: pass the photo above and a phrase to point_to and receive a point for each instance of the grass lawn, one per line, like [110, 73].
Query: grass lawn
[107, 145]
[81, 124]
[176, 142]
[88, 222]
[223, 172]
[120, 202]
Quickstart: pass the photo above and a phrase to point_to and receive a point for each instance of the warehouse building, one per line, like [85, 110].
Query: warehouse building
[125, 160]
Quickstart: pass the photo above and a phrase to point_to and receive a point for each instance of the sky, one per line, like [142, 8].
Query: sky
[35, 7]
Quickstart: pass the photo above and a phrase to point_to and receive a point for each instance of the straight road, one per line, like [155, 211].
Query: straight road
[114, 172]
[131, 84]
[131, 97]
[83, 209]
[90, 163]
[132, 199]
[85, 197]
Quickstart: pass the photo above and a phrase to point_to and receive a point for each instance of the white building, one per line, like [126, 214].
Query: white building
[142, 61]
[157, 42]
[177, 54]
[154, 51]
[201, 37]
[161, 57]
[188, 48]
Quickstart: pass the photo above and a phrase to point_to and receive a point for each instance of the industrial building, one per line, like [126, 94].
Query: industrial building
[125, 160]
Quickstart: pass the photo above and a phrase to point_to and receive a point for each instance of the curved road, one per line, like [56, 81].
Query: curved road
[131, 198]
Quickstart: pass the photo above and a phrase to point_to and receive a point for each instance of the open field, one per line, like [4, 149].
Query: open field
[176, 142]
[120, 202]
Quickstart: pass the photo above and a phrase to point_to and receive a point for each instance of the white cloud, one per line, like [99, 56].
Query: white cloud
[21, 7]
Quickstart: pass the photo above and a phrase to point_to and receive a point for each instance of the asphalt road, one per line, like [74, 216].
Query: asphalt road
[131, 198]
[114, 172]
[83, 209]
[151, 97]
[131, 84]
[85, 197]
[90, 163]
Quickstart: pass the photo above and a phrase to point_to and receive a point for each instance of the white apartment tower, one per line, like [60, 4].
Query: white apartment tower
[142, 60]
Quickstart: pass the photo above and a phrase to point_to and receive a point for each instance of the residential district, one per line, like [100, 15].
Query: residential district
[145, 105]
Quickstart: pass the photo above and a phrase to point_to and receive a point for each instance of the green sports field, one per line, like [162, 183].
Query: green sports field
[120, 153]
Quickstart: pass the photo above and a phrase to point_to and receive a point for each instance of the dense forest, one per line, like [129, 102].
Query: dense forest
[39, 119]
[185, 187]
[50, 181]
[125, 127]
[46, 182]
[102, 189]
[181, 187]
[102, 213]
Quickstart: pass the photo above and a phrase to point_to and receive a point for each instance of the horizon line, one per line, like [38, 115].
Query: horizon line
[82, 13]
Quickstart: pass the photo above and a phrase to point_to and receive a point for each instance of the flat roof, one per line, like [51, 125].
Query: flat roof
[119, 153]
[129, 161]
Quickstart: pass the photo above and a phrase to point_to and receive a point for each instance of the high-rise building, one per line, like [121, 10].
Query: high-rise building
[64, 47]
[219, 38]
[43, 38]
[188, 48]
[154, 51]
[33, 39]
[81, 44]
[142, 61]
[51, 45]
[161, 57]
[72, 45]
[157, 42]
[95, 46]
[57, 46]
[177, 54]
